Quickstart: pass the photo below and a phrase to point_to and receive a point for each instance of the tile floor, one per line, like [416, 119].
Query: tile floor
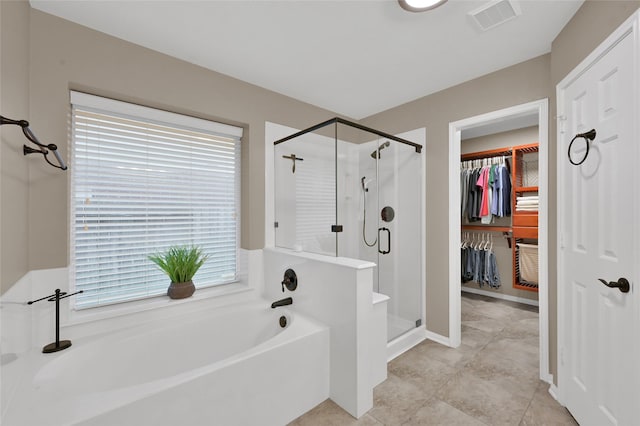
[491, 379]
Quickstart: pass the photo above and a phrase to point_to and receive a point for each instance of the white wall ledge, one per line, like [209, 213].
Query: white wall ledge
[340, 261]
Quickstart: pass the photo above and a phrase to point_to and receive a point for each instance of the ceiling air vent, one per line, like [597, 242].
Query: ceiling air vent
[495, 13]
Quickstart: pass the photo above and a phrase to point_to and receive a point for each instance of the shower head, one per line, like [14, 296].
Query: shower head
[376, 153]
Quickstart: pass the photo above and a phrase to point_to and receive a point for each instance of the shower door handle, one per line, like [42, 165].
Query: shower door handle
[388, 241]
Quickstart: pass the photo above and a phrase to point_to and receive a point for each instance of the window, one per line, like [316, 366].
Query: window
[143, 180]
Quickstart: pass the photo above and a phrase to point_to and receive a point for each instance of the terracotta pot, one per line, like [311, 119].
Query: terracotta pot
[181, 290]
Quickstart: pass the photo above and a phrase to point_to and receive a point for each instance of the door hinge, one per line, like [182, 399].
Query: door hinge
[275, 224]
[561, 119]
[336, 228]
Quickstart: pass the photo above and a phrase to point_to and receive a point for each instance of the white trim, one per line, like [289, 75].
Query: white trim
[501, 296]
[541, 107]
[153, 114]
[438, 338]
[455, 222]
[423, 271]
[408, 340]
[631, 25]
[553, 391]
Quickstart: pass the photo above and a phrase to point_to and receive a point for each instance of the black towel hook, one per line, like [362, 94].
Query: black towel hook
[587, 136]
[43, 149]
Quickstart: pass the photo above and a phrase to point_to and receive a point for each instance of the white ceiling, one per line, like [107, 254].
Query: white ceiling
[355, 58]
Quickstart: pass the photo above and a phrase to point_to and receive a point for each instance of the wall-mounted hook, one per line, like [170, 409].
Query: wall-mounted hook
[42, 148]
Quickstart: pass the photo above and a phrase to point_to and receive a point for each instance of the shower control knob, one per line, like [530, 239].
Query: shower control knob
[290, 280]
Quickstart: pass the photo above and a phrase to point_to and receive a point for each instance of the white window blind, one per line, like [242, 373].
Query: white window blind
[143, 180]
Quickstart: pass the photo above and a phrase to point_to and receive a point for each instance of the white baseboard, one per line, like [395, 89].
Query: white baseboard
[553, 391]
[500, 296]
[547, 378]
[438, 338]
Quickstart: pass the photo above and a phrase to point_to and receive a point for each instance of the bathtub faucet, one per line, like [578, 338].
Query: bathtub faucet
[282, 302]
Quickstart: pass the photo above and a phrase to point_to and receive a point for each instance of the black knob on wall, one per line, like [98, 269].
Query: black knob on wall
[290, 280]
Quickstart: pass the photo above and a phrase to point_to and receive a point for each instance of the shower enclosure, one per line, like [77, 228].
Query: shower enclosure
[342, 189]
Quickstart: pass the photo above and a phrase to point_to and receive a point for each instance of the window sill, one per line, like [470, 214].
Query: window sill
[151, 304]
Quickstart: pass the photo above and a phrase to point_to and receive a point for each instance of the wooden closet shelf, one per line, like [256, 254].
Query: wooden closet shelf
[528, 232]
[487, 154]
[526, 189]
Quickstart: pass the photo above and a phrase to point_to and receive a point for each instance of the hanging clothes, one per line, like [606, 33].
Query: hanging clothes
[479, 264]
[485, 190]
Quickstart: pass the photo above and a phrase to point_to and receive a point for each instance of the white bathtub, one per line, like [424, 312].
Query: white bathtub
[231, 366]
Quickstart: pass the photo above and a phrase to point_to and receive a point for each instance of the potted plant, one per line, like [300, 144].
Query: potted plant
[180, 263]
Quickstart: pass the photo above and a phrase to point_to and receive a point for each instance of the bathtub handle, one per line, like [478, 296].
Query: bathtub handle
[290, 280]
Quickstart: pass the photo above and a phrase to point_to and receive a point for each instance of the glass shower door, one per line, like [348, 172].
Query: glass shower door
[399, 251]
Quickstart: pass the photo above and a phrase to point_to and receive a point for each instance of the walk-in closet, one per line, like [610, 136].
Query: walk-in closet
[499, 214]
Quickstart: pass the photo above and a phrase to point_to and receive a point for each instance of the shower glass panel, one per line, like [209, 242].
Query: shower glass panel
[356, 192]
[305, 196]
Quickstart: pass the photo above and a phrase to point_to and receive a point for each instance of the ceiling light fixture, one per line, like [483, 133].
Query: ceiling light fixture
[420, 5]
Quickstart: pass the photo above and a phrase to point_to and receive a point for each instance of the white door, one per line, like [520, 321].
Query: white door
[599, 228]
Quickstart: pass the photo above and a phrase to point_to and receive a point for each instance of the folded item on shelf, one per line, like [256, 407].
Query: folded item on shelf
[528, 259]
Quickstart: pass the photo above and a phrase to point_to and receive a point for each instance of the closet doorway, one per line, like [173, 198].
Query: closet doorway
[527, 125]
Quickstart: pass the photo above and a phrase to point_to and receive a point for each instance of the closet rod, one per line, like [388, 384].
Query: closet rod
[487, 228]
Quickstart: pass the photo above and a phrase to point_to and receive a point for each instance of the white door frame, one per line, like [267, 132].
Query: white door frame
[631, 25]
[541, 107]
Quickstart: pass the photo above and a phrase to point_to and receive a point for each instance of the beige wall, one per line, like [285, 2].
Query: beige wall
[515, 85]
[14, 172]
[504, 255]
[591, 24]
[67, 56]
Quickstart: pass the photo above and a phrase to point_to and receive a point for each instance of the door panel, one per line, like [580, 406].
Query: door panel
[598, 224]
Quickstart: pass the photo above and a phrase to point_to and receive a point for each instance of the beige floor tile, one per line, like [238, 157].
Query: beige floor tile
[525, 327]
[454, 357]
[544, 410]
[424, 371]
[487, 324]
[493, 362]
[435, 412]
[497, 311]
[395, 400]
[505, 375]
[526, 311]
[475, 338]
[484, 400]
[330, 414]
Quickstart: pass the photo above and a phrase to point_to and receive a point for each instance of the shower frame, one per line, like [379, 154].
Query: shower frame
[338, 120]
[411, 337]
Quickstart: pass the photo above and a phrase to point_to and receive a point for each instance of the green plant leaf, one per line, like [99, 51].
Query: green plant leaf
[180, 263]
